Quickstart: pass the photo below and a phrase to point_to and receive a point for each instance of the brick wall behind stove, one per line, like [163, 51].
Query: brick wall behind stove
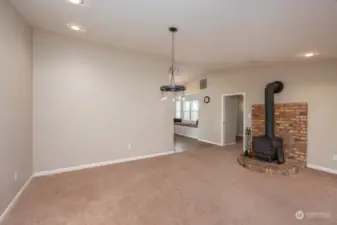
[291, 124]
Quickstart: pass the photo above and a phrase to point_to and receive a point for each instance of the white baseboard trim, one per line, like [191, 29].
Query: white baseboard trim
[92, 165]
[230, 143]
[322, 168]
[210, 142]
[14, 200]
[186, 136]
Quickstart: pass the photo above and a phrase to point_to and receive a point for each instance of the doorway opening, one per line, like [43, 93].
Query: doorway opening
[233, 119]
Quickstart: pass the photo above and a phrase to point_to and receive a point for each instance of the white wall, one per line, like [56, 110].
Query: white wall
[15, 103]
[314, 83]
[192, 132]
[91, 101]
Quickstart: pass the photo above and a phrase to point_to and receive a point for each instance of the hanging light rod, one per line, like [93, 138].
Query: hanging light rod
[173, 29]
[173, 70]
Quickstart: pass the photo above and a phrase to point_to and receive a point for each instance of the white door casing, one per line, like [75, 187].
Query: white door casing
[230, 122]
[223, 117]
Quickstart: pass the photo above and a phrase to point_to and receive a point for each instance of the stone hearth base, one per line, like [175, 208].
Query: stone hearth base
[287, 168]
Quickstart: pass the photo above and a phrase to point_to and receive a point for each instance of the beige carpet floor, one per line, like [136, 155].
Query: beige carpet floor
[202, 186]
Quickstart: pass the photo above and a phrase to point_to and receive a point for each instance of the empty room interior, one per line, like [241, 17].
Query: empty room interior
[168, 112]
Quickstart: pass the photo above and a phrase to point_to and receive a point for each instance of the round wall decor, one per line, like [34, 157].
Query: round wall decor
[207, 99]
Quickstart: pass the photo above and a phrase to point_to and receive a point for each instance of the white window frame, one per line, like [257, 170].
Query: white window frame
[194, 111]
[176, 111]
[182, 111]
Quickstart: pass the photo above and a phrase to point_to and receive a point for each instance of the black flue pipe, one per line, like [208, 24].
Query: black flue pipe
[269, 91]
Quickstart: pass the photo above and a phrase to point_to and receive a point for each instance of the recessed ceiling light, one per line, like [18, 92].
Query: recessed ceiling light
[310, 54]
[76, 2]
[75, 27]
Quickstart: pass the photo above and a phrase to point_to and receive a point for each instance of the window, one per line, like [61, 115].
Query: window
[178, 109]
[194, 110]
[187, 110]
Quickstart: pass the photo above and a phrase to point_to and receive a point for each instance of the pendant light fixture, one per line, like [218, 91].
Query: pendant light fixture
[173, 71]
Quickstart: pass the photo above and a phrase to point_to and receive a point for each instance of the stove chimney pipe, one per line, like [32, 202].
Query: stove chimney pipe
[271, 89]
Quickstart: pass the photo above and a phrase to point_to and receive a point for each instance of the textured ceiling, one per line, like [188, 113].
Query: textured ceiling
[212, 32]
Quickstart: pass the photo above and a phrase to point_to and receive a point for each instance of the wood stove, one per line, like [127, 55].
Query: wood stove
[268, 147]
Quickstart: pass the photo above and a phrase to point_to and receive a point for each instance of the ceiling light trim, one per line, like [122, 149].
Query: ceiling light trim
[76, 2]
[309, 54]
[75, 27]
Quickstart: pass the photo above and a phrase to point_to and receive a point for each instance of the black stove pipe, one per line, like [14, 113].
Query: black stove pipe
[271, 89]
